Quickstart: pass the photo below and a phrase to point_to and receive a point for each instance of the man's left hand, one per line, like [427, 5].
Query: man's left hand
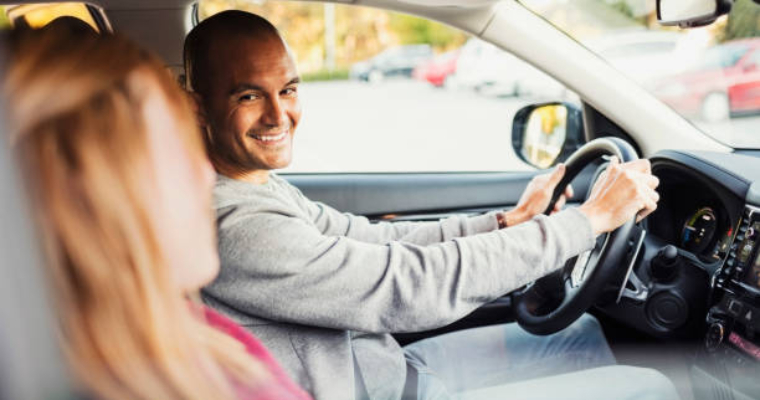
[537, 195]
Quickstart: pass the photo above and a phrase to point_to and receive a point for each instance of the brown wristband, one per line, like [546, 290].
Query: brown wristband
[501, 220]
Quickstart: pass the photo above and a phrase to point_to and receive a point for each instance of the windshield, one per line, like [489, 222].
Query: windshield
[709, 75]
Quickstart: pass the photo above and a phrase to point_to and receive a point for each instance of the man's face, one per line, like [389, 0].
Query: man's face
[252, 105]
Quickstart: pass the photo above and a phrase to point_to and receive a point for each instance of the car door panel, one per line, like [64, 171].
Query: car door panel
[419, 196]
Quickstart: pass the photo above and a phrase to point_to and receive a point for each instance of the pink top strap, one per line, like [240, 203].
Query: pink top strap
[280, 386]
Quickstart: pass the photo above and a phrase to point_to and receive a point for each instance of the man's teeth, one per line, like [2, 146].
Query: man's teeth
[271, 138]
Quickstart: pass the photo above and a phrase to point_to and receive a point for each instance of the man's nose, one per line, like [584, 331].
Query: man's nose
[275, 114]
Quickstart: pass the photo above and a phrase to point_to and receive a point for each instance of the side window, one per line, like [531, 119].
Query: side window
[388, 92]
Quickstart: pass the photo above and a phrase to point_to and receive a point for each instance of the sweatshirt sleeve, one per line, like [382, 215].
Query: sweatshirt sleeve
[284, 269]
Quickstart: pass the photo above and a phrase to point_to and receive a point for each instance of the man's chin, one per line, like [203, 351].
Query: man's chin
[276, 164]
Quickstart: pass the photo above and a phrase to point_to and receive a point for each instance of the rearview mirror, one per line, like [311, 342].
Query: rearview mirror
[545, 134]
[691, 13]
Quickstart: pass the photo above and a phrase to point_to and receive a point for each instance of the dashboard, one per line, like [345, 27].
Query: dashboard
[694, 215]
[697, 274]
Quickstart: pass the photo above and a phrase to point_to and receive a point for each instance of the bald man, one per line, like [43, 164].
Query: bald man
[324, 290]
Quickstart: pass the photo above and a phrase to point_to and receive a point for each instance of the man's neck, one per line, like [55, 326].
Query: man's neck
[258, 176]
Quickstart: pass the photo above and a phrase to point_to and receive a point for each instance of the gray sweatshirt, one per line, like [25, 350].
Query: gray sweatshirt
[323, 289]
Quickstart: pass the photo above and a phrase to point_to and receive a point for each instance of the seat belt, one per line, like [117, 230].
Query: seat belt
[410, 387]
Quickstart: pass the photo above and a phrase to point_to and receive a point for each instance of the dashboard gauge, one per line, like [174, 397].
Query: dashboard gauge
[698, 231]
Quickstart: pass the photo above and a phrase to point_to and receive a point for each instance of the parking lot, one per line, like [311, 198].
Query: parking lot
[404, 125]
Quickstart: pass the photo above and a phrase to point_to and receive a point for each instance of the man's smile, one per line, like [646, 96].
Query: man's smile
[270, 139]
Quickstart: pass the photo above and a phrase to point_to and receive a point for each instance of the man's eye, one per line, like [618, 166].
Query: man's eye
[290, 91]
[248, 97]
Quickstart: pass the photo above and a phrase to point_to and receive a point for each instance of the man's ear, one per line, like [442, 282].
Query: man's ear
[196, 102]
[200, 111]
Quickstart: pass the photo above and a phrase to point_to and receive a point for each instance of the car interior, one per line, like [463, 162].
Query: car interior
[678, 292]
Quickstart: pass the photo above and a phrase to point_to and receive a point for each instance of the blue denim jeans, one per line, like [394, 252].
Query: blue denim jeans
[505, 362]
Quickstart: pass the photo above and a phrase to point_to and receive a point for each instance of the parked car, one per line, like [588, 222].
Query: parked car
[726, 81]
[398, 61]
[643, 55]
[489, 70]
[439, 69]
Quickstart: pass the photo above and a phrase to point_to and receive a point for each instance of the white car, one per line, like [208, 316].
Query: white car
[489, 70]
[643, 55]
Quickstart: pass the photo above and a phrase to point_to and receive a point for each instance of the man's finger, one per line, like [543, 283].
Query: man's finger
[652, 181]
[569, 192]
[614, 161]
[559, 204]
[650, 208]
[641, 165]
[557, 174]
[648, 180]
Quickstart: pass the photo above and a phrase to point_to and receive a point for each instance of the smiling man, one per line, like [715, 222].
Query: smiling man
[325, 289]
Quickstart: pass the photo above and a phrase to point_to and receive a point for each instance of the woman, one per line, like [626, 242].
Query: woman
[115, 168]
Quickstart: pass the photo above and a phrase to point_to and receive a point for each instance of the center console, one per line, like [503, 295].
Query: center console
[730, 365]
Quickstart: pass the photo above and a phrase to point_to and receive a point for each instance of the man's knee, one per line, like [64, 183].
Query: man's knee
[586, 334]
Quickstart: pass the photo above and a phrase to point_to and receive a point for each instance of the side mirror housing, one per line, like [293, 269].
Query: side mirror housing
[547, 133]
[691, 13]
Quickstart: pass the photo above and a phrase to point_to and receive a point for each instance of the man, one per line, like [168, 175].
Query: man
[324, 289]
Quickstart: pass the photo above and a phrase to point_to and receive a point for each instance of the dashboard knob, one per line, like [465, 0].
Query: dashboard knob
[715, 335]
[664, 265]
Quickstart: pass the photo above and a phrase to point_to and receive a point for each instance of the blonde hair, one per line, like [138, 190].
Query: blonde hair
[75, 108]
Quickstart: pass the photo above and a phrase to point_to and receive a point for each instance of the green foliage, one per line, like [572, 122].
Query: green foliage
[325, 75]
[360, 32]
[743, 21]
[622, 7]
[4, 21]
[412, 30]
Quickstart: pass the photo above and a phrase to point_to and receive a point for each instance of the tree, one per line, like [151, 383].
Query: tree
[743, 21]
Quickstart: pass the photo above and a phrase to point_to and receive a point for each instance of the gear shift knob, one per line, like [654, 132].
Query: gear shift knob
[664, 265]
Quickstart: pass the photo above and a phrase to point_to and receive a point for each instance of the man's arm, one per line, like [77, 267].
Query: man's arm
[533, 201]
[282, 268]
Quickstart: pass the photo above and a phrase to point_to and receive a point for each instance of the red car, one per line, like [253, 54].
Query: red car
[438, 69]
[725, 83]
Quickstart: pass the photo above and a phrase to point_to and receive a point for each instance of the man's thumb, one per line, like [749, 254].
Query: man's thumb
[557, 174]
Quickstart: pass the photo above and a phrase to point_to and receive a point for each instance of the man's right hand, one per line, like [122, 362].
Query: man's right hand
[621, 192]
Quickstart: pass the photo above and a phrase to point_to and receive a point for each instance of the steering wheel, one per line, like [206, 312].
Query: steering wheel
[553, 302]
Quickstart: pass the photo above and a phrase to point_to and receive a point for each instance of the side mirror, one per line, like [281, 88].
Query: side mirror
[545, 134]
[691, 13]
